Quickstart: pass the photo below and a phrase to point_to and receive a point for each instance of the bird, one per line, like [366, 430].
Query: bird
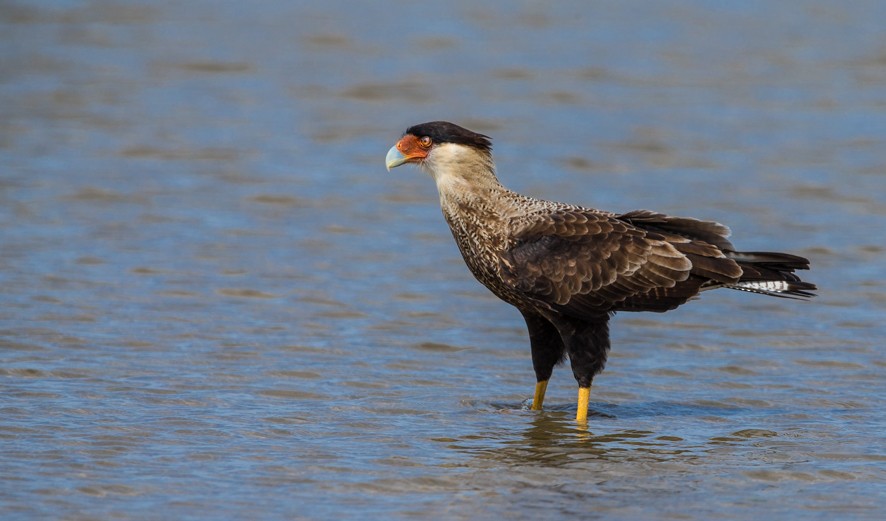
[567, 268]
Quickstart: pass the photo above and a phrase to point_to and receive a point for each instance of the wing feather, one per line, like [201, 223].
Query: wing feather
[710, 232]
[588, 263]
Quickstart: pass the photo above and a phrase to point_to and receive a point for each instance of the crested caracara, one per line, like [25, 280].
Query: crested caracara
[568, 268]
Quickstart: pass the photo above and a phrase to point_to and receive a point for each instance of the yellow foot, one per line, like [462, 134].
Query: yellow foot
[584, 395]
[539, 398]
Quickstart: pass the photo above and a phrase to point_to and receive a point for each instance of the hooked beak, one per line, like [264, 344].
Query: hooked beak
[407, 150]
[394, 158]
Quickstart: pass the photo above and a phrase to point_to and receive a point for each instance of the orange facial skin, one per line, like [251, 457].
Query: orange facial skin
[414, 149]
[410, 149]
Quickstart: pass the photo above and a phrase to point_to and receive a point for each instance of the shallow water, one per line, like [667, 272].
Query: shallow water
[217, 303]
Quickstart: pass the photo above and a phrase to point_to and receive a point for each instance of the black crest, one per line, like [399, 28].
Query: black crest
[446, 132]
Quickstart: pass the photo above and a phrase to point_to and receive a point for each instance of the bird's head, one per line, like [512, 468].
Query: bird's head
[439, 144]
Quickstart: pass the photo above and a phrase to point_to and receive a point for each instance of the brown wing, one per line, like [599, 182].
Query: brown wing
[588, 264]
[710, 232]
[704, 243]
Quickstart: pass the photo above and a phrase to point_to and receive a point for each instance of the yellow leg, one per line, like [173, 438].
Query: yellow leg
[584, 395]
[539, 398]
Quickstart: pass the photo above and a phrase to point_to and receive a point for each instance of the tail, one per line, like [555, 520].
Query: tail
[772, 274]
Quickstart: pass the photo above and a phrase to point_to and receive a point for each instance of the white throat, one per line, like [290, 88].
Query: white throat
[459, 169]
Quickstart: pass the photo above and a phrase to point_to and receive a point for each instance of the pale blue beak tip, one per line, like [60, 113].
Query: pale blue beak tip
[394, 158]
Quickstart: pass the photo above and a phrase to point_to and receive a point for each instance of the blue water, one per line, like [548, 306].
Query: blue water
[217, 304]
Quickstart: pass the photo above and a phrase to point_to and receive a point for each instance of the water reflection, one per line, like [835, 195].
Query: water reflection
[554, 439]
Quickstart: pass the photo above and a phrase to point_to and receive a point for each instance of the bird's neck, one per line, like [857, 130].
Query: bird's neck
[464, 175]
[476, 207]
[465, 180]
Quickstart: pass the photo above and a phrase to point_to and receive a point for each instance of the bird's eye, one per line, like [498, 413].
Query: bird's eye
[425, 142]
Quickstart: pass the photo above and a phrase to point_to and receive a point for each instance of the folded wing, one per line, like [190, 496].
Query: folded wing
[589, 264]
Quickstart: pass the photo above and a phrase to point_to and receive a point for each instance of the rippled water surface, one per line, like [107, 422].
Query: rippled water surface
[216, 303]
